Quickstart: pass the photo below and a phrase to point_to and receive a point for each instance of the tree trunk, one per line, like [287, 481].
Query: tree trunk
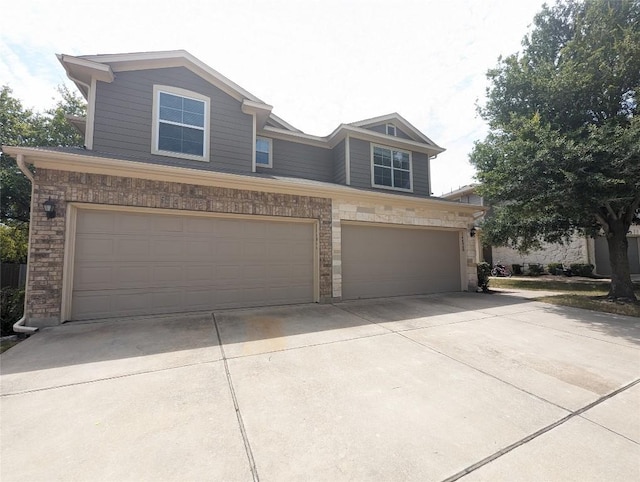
[621, 285]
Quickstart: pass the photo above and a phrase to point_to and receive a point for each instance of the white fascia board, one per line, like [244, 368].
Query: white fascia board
[260, 111]
[373, 136]
[375, 120]
[283, 123]
[277, 133]
[173, 58]
[65, 161]
[82, 71]
[401, 121]
[345, 130]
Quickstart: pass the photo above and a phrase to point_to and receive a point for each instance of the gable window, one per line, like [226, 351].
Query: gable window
[264, 152]
[180, 123]
[391, 130]
[391, 168]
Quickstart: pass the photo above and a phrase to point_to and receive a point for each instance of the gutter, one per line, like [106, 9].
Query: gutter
[19, 326]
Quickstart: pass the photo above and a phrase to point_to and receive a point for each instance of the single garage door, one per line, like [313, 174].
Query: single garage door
[391, 261]
[129, 264]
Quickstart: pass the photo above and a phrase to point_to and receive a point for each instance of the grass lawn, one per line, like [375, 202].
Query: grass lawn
[5, 345]
[576, 292]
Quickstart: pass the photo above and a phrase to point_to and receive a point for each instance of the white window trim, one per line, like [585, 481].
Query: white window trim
[392, 188]
[157, 89]
[391, 127]
[270, 141]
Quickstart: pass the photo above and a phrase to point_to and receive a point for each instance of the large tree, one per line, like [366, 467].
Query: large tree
[23, 127]
[563, 150]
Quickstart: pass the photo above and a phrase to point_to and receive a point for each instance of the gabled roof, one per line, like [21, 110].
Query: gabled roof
[399, 121]
[104, 67]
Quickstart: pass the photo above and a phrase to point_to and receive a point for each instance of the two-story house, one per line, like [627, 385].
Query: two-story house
[190, 194]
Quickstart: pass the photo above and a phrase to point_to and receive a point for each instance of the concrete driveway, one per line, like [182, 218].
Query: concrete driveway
[460, 386]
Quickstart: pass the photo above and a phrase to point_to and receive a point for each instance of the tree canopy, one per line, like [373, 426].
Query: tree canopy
[563, 151]
[24, 127]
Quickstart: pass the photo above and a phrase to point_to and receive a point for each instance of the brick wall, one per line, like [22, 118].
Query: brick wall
[46, 258]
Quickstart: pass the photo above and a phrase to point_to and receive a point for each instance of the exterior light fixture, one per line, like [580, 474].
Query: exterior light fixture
[49, 208]
[472, 231]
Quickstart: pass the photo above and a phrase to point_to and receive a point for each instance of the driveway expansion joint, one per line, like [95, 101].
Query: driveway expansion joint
[243, 431]
[104, 379]
[428, 347]
[538, 433]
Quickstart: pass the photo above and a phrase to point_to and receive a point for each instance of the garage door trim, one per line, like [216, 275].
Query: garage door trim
[71, 228]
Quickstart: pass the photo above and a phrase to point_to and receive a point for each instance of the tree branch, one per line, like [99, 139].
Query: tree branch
[612, 213]
[603, 222]
[633, 207]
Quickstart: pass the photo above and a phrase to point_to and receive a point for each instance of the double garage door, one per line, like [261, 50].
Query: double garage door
[128, 264]
[379, 261]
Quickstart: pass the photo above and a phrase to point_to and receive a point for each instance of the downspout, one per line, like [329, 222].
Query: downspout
[18, 326]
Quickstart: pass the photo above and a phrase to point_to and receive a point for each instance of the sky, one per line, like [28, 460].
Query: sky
[319, 63]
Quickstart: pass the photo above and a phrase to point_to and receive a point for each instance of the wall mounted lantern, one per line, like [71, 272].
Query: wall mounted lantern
[472, 231]
[49, 208]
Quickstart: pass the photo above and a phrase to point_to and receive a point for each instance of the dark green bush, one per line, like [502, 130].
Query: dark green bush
[554, 268]
[582, 269]
[484, 271]
[11, 308]
[535, 269]
[516, 269]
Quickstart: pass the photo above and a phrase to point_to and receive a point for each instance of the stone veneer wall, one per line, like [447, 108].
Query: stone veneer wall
[383, 213]
[576, 251]
[46, 258]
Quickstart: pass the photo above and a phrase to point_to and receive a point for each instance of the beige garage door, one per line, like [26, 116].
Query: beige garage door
[135, 264]
[391, 261]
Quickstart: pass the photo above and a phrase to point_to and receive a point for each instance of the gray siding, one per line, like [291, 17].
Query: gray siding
[382, 128]
[361, 169]
[420, 174]
[123, 120]
[360, 162]
[300, 160]
[339, 173]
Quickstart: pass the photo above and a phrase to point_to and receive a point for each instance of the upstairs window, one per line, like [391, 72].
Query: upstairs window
[180, 124]
[391, 130]
[264, 152]
[391, 168]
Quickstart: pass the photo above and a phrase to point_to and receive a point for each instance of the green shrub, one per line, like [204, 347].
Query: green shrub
[516, 269]
[535, 269]
[484, 271]
[11, 308]
[554, 268]
[582, 269]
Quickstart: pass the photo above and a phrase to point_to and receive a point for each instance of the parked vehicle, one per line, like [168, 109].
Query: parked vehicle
[501, 270]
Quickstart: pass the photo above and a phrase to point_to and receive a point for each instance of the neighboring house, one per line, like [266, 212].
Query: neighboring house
[192, 195]
[579, 249]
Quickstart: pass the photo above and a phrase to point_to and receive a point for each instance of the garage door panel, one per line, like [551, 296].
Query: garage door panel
[184, 263]
[225, 249]
[94, 277]
[133, 223]
[199, 247]
[167, 224]
[392, 261]
[134, 248]
[100, 222]
[91, 304]
[95, 247]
